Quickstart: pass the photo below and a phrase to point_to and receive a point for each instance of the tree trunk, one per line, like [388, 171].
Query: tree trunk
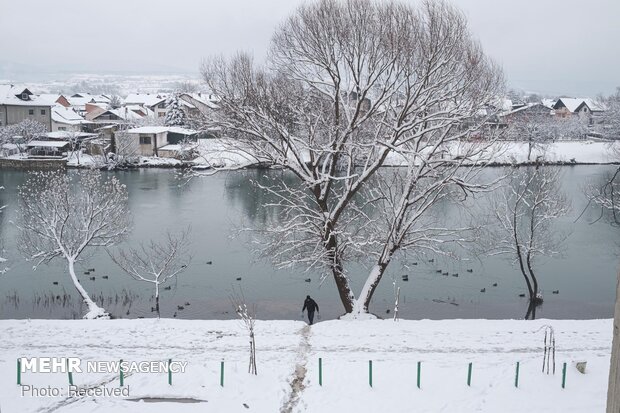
[613, 389]
[363, 302]
[342, 283]
[157, 299]
[531, 311]
[94, 311]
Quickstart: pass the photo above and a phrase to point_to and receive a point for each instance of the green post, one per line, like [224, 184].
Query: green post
[419, 372]
[70, 374]
[169, 372]
[320, 371]
[517, 376]
[370, 372]
[121, 373]
[469, 375]
[19, 372]
[222, 373]
[564, 376]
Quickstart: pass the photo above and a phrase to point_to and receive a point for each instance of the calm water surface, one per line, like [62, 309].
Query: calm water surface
[217, 206]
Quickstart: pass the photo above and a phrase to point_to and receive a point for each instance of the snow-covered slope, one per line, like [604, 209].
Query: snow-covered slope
[288, 350]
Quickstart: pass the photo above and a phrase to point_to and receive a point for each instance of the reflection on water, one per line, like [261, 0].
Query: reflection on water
[216, 207]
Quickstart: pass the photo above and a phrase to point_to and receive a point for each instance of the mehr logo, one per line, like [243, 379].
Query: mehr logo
[76, 365]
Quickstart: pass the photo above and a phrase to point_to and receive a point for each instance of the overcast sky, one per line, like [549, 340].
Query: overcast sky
[552, 46]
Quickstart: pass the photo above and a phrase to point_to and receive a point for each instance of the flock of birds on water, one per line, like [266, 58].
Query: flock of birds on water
[405, 278]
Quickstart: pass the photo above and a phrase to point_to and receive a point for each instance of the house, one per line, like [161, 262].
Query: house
[55, 99]
[585, 108]
[156, 103]
[528, 111]
[149, 140]
[47, 149]
[591, 110]
[78, 101]
[66, 119]
[113, 116]
[195, 104]
[18, 104]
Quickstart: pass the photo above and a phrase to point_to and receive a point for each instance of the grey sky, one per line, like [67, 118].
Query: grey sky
[552, 46]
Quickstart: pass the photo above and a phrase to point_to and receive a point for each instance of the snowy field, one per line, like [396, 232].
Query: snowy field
[287, 356]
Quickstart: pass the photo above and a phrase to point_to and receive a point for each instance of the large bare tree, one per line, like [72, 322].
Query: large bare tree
[349, 87]
[63, 215]
[155, 262]
[525, 210]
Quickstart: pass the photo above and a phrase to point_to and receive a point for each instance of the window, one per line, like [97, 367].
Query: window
[24, 96]
[145, 140]
[31, 111]
[42, 111]
[62, 128]
[161, 114]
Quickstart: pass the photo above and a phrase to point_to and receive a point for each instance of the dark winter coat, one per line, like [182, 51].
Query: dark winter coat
[310, 305]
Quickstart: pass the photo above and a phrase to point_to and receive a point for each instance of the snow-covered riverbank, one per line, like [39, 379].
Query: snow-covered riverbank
[288, 349]
[216, 152]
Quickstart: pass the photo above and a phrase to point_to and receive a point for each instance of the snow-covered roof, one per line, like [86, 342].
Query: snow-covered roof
[12, 95]
[570, 103]
[148, 129]
[144, 99]
[126, 114]
[47, 144]
[574, 104]
[594, 105]
[81, 99]
[61, 114]
[161, 129]
[177, 148]
[51, 98]
[182, 131]
[525, 107]
[204, 98]
[143, 109]
[122, 113]
[68, 134]
[548, 103]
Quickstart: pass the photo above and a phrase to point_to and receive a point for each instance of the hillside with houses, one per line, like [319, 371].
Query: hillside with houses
[175, 129]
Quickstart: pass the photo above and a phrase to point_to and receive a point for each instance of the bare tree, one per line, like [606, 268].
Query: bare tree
[606, 194]
[538, 128]
[115, 102]
[525, 210]
[64, 215]
[608, 123]
[3, 260]
[75, 145]
[22, 133]
[350, 87]
[248, 319]
[155, 262]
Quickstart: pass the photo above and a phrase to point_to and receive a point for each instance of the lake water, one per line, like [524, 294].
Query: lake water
[217, 206]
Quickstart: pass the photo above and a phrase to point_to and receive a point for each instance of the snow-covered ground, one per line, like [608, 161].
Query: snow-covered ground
[220, 153]
[217, 152]
[288, 353]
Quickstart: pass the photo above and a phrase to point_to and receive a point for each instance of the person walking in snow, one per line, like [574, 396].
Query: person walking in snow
[310, 305]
